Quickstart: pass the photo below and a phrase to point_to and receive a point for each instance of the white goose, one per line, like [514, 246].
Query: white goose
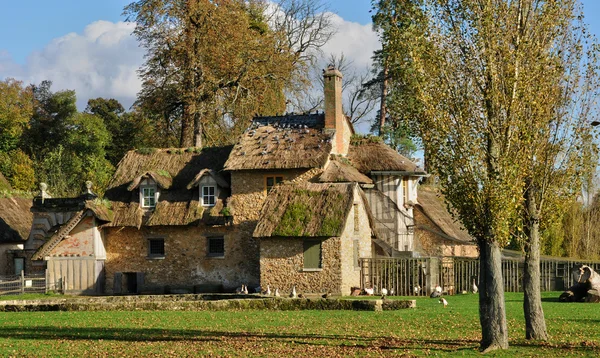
[474, 288]
[293, 293]
[444, 302]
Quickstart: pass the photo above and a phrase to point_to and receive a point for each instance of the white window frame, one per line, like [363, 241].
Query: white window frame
[203, 196]
[143, 196]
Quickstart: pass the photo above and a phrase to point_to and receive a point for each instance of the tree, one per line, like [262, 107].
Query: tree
[400, 26]
[79, 157]
[16, 107]
[127, 130]
[47, 126]
[494, 90]
[554, 82]
[212, 65]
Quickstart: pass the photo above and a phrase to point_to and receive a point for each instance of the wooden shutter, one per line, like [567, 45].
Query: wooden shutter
[139, 278]
[312, 254]
[118, 282]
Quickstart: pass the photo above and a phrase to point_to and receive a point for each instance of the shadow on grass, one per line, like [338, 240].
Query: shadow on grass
[174, 335]
[550, 299]
[166, 335]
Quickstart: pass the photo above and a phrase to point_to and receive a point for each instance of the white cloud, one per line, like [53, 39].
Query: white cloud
[100, 62]
[103, 60]
[357, 42]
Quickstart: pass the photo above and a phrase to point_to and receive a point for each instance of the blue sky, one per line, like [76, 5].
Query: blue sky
[28, 25]
[85, 46]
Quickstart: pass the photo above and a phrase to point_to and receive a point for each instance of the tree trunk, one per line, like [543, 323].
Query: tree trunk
[189, 83]
[535, 324]
[197, 131]
[492, 315]
[383, 107]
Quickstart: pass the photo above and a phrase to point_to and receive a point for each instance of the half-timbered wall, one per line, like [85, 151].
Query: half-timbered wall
[395, 222]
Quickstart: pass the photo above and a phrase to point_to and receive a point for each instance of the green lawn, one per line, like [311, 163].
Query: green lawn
[427, 330]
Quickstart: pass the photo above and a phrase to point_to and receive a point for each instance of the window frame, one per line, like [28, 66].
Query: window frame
[405, 190]
[215, 255]
[309, 244]
[214, 195]
[277, 179]
[154, 197]
[152, 255]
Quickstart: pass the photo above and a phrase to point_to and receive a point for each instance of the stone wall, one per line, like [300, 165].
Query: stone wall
[282, 266]
[248, 191]
[185, 263]
[357, 232]
[428, 243]
[6, 258]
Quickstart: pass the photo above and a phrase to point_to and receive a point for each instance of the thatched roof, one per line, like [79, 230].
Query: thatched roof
[15, 219]
[339, 170]
[176, 205]
[282, 142]
[162, 179]
[368, 156]
[219, 179]
[432, 205]
[305, 210]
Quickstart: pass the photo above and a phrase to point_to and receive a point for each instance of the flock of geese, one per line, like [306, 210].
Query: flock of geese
[369, 291]
[437, 292]
[268, 292]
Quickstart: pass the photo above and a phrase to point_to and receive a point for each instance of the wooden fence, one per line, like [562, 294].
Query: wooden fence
[419, 276]
[20, 284]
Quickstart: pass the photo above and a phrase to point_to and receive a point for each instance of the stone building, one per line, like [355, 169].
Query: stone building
[15, 223]
[295, 202]
[437, 233]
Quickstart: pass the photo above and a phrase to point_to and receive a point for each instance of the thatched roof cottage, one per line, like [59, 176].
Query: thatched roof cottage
[15, 223]
[295, 202]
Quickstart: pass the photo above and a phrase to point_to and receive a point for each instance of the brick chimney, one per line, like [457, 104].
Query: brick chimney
[334, 116]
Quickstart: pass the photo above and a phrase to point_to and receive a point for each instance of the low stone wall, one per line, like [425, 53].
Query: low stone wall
[201, 303]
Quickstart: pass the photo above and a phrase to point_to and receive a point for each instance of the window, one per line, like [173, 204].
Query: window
[271, 181]
[216, 246]
[355, 247]
[148, 196]
[19, 265]
[356, 219]
[405, 190]
[156, 248]
[209, 195]
[312, 254]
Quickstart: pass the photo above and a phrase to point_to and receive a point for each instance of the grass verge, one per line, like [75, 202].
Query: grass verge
[427, 330]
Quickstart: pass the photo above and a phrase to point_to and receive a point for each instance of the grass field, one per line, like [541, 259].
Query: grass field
[427, 330]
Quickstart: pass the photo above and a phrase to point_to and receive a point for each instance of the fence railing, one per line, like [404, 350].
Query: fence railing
[20, 284]
[419, 276]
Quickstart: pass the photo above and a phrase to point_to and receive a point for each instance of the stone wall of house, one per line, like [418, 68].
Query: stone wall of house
[355, 243]
[248, 194]
[248, 191]
[282, 266]
[460, 250]
[185, 263]
[428, 243]
[6, 257]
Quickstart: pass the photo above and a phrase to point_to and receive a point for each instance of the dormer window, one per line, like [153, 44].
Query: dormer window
[148, 194]
[148, 197]
[209, 196]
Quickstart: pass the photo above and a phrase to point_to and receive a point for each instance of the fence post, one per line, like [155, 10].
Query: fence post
[22, 282]
[46, 282]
